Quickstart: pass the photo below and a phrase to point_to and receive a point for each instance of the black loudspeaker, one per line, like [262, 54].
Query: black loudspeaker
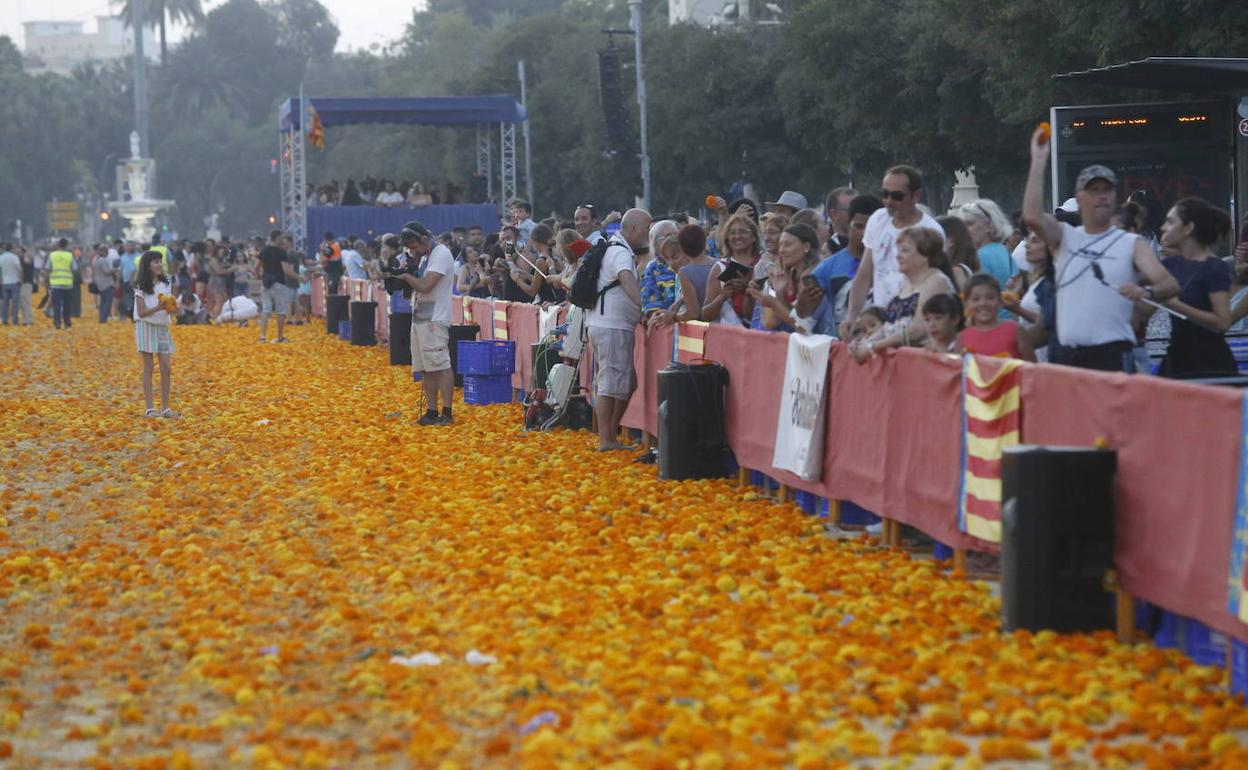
[466, 333]
[1057, 538]
[691, 421]
[363, 323]
[336, 309]
[400, 339]
[619, 133]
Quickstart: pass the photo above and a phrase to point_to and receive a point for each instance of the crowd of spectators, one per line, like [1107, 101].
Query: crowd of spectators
[390, 193]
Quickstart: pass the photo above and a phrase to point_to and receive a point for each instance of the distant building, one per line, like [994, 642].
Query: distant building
[714, 13]
[60, 46]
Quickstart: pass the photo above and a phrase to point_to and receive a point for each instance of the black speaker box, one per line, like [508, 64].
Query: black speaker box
[1057, 538]
[401, 339]
[363, 323]
[336, 309]
[691, 421]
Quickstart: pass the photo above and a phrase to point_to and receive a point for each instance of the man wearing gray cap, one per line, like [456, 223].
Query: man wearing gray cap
[1100, 270]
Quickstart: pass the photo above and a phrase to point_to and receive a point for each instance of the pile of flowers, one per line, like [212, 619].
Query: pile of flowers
[297, 576]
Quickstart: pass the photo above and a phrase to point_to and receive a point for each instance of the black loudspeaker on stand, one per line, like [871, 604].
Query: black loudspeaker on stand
[363, 323]
[460, 332]
[692, 439]
[1057, 538]
[336, 309]
[400, 339]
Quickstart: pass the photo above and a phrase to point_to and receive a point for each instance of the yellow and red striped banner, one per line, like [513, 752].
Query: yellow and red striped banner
[500, 320]
[691, 341]
[991, 421]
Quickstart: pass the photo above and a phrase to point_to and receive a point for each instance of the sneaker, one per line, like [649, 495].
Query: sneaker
[150, 412]
[280, 340]
[876, 528]
[429, 419]
[446, 419]
[169, 414]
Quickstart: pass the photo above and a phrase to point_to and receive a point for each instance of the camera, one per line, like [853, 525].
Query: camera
[398, 265]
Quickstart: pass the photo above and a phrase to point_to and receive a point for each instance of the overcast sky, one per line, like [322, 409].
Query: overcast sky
[362, 22]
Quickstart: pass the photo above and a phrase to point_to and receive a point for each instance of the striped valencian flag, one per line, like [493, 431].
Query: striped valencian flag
[500, 320]
[991, 421]
[691, 341]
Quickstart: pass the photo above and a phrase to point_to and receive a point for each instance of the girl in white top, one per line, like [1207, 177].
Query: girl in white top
[151, 329]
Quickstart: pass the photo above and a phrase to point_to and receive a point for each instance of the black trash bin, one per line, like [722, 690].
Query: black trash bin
[400, 339]
[691, 437]
[1057, 538]
[363, 323]
[336, 309]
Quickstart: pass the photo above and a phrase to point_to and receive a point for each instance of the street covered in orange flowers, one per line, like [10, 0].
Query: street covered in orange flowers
[297, 576]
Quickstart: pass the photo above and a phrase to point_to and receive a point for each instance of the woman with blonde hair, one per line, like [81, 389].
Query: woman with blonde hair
[727, 300]
[989, 227]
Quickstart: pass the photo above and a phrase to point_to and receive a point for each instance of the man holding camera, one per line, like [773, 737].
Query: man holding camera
[429, 271]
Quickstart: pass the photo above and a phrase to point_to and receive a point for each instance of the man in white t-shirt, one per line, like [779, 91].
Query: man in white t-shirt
[612, 323]
[431, 281]
[353, 261]
[1098, 268]
[878, 273]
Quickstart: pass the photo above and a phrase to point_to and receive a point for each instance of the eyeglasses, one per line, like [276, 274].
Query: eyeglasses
[896, 195]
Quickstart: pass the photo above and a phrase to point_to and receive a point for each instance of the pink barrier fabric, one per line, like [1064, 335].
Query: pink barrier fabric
[1178, 448]
[318, 296]
[483, 316]
[524, 327]
[652, 351]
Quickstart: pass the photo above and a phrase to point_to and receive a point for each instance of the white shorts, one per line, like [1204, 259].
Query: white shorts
[613, 356]
[431, 350]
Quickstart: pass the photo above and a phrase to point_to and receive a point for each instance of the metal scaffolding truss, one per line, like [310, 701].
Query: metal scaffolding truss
[291, 146]
[485, 160]
[507, 165]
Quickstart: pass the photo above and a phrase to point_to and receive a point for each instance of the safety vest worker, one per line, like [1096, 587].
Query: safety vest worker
[60, 270]
[164, 255]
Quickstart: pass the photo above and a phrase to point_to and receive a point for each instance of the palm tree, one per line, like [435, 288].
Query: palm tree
[157, 12]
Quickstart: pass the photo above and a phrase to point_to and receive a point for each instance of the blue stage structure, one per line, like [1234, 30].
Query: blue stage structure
[299, 117]
[371, 222]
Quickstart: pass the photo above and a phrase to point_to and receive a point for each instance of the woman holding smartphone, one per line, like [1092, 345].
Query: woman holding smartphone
[775, 300]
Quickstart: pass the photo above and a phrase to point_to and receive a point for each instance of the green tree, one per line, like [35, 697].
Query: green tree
[157, 13]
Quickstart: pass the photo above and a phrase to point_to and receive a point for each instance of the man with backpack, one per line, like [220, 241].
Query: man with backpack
[606, 286]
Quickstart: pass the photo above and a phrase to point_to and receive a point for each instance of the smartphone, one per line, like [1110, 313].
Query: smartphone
[759, 283]
[809, 280]
[734, 270]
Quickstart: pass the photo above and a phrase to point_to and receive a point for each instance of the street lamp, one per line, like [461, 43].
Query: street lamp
[634, 12]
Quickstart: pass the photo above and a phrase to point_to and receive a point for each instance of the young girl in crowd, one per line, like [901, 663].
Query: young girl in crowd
[870, 321]
[987, 334]
[943, 315]
[151, 329]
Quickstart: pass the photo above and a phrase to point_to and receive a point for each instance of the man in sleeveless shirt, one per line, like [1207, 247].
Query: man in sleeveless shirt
[1100, 270]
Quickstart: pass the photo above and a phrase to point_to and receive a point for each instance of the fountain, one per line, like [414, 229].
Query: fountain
[133, 204]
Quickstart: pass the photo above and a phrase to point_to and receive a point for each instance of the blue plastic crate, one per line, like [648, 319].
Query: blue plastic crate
[1239, 667]
[757, 479]
[805, 501]
[823, 507]
[481, 389]
[942, 552]
[856, 515]
[1170, 631]
[482, 357]
[1204, 645]
[344, 331]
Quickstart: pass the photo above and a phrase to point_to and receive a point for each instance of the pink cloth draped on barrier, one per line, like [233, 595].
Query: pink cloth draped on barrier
[1178, 449]
[652, 351]
[318, 296]
[483, 316]
[524, 326]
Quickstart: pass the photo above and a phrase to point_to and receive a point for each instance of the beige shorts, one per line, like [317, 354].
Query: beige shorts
[613, 353]
[431, 350]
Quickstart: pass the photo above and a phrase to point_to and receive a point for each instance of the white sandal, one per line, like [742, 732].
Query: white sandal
[170, 414]
[151, 413]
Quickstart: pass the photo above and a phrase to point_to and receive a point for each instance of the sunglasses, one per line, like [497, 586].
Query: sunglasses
[896, 195]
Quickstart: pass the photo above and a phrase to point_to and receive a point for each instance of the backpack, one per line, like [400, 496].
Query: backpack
[584, 292]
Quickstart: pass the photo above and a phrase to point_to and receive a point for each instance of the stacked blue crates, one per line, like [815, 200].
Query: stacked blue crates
[487, 366]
